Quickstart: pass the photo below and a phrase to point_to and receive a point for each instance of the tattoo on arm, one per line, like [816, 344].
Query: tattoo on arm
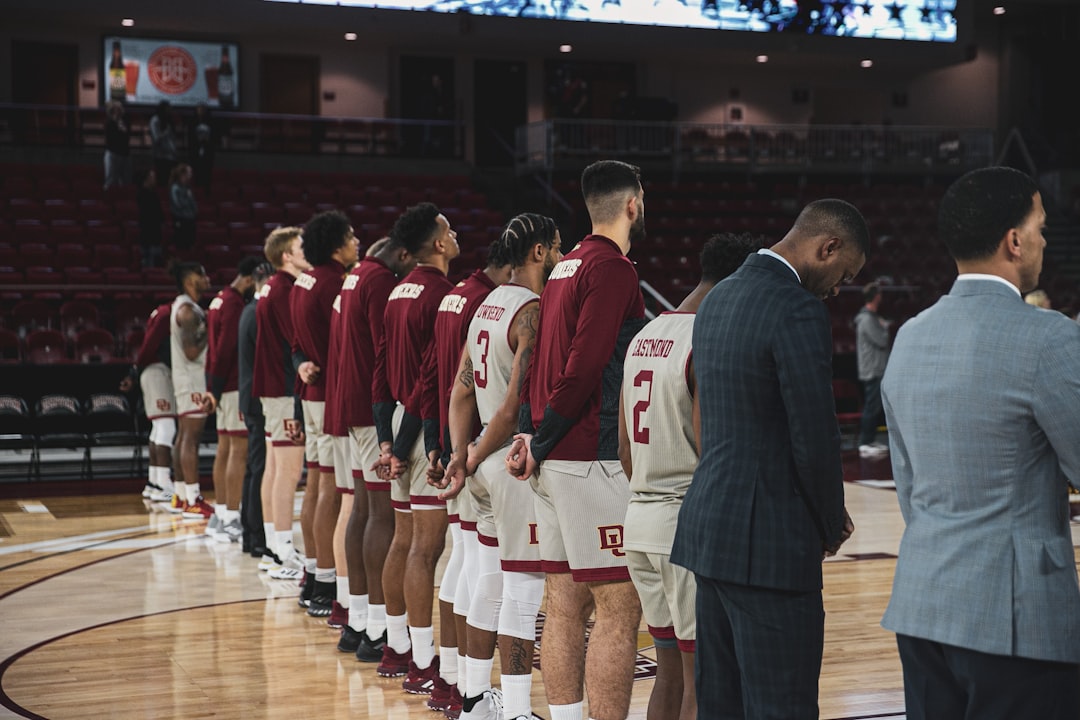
[526, 339]
[466, 376]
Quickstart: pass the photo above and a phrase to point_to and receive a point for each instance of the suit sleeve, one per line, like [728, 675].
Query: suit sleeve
[898, 454]
[803, 356]
[612, 289]
[1057, 396]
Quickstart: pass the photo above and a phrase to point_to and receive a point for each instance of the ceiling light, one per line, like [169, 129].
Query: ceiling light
[999, 10]
[128, 22]
[866, 63]
[350, 36]
[566, 48]
[763, 58]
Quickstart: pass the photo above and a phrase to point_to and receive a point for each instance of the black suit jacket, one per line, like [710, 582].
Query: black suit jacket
[767, 495]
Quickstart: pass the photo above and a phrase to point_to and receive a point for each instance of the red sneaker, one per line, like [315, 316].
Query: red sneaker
[199, 510]
[441, 695]
[453, 712]
[421, 682]
[338, 616]
[177, 505]
[393, 664]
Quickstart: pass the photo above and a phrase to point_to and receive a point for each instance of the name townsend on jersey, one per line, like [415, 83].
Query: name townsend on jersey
[407, 291]
[489, 312]
[652, 347]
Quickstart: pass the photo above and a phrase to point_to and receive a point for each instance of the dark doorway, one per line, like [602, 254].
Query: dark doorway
[289, 84]
[500, 107]
[427, 93]
[44, 73]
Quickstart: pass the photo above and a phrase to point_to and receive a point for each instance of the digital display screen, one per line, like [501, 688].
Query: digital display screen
[926, 20]
[146, 71]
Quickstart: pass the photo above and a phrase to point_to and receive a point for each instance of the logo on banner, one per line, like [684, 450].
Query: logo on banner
[172, 70]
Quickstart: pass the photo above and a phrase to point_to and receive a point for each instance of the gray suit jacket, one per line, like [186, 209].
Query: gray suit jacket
[768, 492]
[982, 397]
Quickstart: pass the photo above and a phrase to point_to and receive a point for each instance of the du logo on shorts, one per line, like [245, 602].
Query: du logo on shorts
[611, 539]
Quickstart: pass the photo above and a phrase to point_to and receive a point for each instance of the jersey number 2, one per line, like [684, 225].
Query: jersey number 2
[641, 433]
[483, 339]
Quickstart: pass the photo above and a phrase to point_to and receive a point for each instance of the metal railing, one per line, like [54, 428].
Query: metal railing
[545, 146]
[24, 125]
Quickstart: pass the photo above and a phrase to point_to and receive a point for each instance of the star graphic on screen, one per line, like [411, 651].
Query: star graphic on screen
[894, 11]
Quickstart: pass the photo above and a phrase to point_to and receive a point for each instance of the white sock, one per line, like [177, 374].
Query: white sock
[192, 491]
[376, 621]
[309, 565]
[325, 575]
[220, 510]
[151, 475]
[397, 633]
[230, 516]
[181, 490]
[343, 595]
[271, 537]
[358, 608]
[566, 712]
[164, 478]
[448, 665]
[478, 676]
[423, 645]
[283, 545]
[462, 672]
[517, 695]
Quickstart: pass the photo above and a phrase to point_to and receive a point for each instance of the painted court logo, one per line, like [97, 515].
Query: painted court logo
[172, 70]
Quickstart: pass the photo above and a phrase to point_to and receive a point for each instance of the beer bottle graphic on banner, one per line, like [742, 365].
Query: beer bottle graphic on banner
[225, 81]
[117, 74]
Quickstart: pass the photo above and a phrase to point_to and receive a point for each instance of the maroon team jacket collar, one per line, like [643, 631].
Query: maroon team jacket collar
[483, 277]
[603, 239]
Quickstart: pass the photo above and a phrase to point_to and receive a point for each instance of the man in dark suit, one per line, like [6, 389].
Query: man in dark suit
[767, 502]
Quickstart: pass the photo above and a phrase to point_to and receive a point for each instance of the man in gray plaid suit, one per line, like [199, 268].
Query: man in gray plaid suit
[982, 396]
[767, 499]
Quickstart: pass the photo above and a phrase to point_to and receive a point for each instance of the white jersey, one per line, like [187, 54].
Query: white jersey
[188, 376]
[488, 344]
[657, 408]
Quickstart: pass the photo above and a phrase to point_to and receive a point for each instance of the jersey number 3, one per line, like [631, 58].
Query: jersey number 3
[483, 340]
[641, 433]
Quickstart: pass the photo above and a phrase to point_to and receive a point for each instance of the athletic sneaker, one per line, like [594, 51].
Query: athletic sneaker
[268, 562]
[350, 640]
[393, 664]
[322, 599]
[873, 450]
[284, 572]
[454, 711]
[213, 526]
[307, 586]
[161, 496]
[177, 505]
[370, 651]
[486, 707]
[230, 532]
[338, 617]
[199, 510]
[441, 695]
[149, 489]
[421, 682]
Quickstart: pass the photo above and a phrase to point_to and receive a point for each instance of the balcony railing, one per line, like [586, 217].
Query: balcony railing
[78, 127]
[544, 146]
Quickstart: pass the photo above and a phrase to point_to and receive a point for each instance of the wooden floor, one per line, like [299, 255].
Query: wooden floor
[111, 610]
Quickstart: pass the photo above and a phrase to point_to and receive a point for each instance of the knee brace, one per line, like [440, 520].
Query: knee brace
[522, 595]
[487, 595]
[163, 431]
[448, 586]
[468, 576]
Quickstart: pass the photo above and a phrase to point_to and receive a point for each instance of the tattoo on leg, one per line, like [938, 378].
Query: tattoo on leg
[520, 656]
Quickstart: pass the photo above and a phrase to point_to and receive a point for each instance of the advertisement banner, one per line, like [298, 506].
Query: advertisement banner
[146, 71]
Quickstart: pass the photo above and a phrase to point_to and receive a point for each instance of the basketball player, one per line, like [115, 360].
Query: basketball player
[510, 583]
[223, 374]
[658, 447]
[420, 518]
[187, 336]
[155, 380]
[331, 247]
[273, 382]
[370, 528]
[451, 328]
[589, 310]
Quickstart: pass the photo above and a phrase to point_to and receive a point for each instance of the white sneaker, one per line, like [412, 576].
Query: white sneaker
[161, 496]
[284, 572]
[488, 707]
[148, 490]
[874, 450]
[230, 532]
[267, 563]
[214, 526]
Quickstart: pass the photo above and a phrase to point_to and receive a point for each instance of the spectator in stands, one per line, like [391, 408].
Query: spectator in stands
[201, 141]
[117, 146]
[1038, 298]
[163, 141]
[183, 206]
[150, 218]
[872, 352]
[251, 515]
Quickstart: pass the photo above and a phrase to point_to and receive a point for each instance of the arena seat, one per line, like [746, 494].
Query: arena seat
[95, 346]
[46, 347]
